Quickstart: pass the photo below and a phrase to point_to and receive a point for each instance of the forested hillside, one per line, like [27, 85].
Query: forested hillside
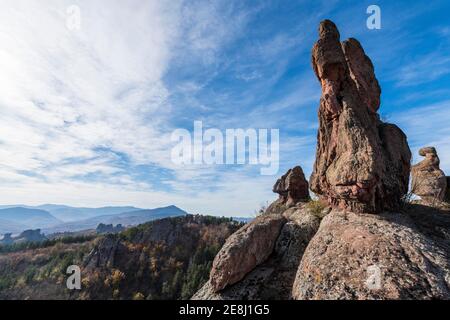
[164, 259]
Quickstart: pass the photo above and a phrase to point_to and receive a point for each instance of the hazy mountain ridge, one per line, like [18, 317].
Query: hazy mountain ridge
[60, 218]
[53, 218]
[25, 218]
[68, 214]
[7, 226]
[125, 218]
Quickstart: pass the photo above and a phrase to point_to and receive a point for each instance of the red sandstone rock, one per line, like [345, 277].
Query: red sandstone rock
[292, 187]
[429, 181]
[362, 164]
[385, 256]
[244, 250]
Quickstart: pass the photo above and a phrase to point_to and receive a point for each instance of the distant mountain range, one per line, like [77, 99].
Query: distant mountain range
[17, 219]
[68, 214]
[59, 218]
[7, 226]
[51, 218]
[126, 219]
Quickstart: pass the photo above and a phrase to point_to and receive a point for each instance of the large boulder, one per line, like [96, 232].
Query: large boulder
[362, 164]
[272, 279]
[428, 180]
[386, 256]
[244, 250]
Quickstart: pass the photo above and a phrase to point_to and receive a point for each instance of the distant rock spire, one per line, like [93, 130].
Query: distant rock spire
[428, 180]
[292, 187]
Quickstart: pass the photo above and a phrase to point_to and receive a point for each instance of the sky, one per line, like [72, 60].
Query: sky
[88, 106]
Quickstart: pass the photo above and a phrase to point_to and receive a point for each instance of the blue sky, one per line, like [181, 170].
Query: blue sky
[87, 114]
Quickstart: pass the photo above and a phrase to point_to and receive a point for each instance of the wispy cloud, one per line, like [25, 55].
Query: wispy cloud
[425, 69]
[83, 109]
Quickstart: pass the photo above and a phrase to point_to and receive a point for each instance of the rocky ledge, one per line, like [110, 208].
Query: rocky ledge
[347, 255]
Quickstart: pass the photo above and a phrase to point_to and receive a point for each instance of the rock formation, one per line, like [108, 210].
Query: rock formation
[109, 228]
[25, 236]
[274, 277]
[292, 188]
[386, 256]
[30, 236]
[105, 253]
[362, 164]
[308, 250]
[244, 250]
[7, 239]
[347, 255]
[254, 243]
[428, 180]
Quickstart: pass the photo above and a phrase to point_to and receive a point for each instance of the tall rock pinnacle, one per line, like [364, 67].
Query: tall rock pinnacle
[362, 164]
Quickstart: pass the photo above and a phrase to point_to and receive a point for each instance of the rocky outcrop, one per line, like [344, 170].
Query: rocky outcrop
[351, 256]
[109, 228]
[25, 236]
[428, 180]
[362, 164]
[104, 253]
[244, 250]
[387, 256]
[292, 188]
[7, 239]
[272, 279]
[30, 236]
[254, 243]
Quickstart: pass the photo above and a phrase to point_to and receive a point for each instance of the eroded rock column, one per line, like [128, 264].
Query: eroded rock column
[362, 164]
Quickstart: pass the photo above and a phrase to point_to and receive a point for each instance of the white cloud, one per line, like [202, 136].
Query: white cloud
[65, 92]
[67, 96]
